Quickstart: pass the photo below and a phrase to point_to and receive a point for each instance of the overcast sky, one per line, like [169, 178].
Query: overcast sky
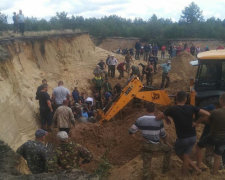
[124, 8]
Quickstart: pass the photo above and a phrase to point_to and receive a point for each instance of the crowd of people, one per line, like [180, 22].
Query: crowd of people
[156, 140]
[147, 49]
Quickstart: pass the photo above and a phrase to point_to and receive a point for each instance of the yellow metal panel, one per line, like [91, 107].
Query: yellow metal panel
[127, 94]
[213, 54]
[192, 98]
[158, 97]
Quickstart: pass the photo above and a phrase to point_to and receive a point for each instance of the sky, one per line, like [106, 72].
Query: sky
[144, 9]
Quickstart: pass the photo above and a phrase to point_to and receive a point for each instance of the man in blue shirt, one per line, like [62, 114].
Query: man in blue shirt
[166, 67]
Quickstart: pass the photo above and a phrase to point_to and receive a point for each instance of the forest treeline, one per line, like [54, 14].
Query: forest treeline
[191, 25]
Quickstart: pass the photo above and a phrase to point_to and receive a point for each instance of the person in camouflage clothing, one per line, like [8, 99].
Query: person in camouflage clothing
[68, 153]
[36, 153]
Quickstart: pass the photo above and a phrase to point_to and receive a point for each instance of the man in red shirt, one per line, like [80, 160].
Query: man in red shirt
[121, 69]
[163, 51]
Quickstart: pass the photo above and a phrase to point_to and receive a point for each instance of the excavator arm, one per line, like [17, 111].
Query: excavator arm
[133, 90]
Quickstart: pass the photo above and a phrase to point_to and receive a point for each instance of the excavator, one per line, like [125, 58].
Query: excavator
[135, 89]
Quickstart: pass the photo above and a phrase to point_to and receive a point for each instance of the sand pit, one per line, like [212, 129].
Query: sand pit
[73, 60]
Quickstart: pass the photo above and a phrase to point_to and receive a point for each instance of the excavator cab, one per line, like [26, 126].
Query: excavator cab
[210, 78]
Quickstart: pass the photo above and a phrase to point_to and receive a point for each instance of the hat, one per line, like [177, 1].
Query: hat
[40, 133]
[169, 61]
[62, 135]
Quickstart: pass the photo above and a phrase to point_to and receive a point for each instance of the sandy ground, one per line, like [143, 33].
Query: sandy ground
[72, 60]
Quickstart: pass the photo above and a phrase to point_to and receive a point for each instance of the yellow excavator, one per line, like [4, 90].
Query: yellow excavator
[135, 89]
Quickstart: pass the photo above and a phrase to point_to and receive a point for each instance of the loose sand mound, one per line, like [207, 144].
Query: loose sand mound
[181, 73]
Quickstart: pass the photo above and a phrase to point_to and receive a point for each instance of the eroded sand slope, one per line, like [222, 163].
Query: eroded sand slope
[70, 59]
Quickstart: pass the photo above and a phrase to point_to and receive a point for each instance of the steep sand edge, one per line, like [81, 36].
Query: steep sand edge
[57, 58]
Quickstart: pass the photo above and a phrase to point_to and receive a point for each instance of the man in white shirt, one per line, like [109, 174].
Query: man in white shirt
[60, 93]
[112, 65]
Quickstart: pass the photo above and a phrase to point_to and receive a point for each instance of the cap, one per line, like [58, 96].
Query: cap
[62, 135]
[40, 133]
[169, 61]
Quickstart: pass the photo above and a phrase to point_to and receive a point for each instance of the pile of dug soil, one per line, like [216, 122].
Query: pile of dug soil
[110, 139]
[181, 73]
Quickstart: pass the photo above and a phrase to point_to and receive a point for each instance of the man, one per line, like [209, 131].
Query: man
[192, 49]
[21, 22]
[163, 51]
[217, 134]
[44, 81]
[135, 71]
[121, 69]
[151, 59]
[152, 131]
[107, 63]
[35, 153]
[63, 117]
[128, 59]
[60, 93]
[117, 89]
[166, 67]
[138, 50]
[76, 95]
[149, 74]
[97, 71]
[45, 108]
[98, 83]
[68, 153]
[146, 51]
[112, 65]
[143, 71]
[107, 86]
[15, 23]
[155, 62]
[182, 116]
[203, 141]
[155, 50]
[170, 51]
[102, 65]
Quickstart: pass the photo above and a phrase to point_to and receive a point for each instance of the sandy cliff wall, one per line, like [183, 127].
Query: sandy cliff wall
[70, 59]
[111, 44]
